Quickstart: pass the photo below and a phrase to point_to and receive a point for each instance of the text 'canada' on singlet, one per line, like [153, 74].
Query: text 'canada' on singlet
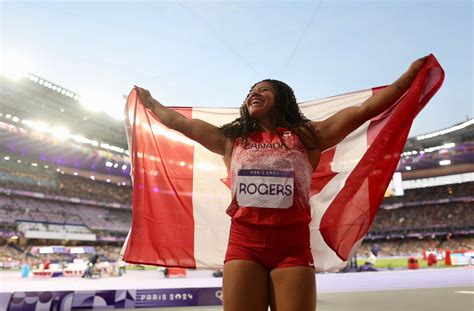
[270, 182]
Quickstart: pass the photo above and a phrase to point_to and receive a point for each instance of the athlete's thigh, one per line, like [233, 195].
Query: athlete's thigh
[293, 289]
[245, 286]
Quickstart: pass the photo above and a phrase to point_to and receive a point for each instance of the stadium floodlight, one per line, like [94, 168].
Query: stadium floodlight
[112, 148]
[445, 146]
[50, 85]
[63, 134]
[445, 131]
[33, 78]
[60, 133]
[81, 139]
[445, 162]
[40, 126]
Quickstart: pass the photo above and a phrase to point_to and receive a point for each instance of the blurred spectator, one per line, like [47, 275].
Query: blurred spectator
[91, 267]
[367, 267]
[432, 261]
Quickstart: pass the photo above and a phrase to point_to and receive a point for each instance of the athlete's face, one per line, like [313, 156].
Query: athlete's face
[260, 100]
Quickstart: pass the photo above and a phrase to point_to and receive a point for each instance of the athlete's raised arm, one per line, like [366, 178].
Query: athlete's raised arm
[200, 131]
[335, 128]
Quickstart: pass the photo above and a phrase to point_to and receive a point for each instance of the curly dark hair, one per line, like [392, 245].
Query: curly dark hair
[285, 113]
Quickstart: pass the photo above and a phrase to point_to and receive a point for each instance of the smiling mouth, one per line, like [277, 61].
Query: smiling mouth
[256, 102]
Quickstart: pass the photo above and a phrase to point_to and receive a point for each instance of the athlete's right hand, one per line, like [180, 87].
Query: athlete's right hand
[147, 99]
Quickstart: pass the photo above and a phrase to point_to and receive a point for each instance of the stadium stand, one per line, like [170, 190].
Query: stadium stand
[16, 209]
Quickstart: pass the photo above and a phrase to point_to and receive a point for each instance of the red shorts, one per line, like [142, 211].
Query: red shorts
[271, 246]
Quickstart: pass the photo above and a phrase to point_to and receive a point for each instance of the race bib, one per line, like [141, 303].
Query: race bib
[265, 188]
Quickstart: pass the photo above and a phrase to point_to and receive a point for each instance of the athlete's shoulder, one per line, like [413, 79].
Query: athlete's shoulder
[309, 136]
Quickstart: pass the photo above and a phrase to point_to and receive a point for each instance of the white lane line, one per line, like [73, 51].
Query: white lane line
[464, 292]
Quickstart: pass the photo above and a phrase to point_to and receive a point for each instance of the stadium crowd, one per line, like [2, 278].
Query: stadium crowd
[94, 190]
[16, 208]
[426, 216]
[66, 185]
[432, 193]
[415, 247]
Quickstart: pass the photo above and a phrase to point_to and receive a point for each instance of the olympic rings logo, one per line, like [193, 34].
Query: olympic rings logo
[219, 295]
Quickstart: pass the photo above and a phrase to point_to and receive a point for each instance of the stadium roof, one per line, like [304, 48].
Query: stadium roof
[458, 133]
[36, 99]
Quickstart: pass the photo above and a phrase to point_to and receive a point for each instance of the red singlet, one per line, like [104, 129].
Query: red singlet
[270, 201]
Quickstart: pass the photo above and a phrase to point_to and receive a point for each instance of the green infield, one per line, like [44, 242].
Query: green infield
[397, 262]
[381, 263]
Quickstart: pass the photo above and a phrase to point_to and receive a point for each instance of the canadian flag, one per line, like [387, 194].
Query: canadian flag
[179, 199]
